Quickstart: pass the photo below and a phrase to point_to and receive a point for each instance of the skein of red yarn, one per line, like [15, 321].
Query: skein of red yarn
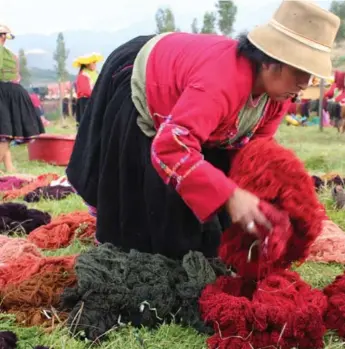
[60, 232]
[257, 260]
[335, 315]
[281, 311]
[27, 265]
[288, 199]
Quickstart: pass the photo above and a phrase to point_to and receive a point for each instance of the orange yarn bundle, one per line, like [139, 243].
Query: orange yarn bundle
[26, 266]
[40, 181]
[61, 231]
[35, 301]
[31, 284]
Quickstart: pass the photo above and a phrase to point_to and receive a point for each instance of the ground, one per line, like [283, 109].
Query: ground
[321, 152]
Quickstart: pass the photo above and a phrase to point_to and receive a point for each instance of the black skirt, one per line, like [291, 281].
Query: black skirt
[80, 108]
[18, 118]
[39, 112]
[111, 169]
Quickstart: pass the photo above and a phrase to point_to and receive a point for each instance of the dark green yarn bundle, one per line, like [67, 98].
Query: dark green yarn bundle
[115, 288]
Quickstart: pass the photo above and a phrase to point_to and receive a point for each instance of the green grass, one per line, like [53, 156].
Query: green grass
[321, 152]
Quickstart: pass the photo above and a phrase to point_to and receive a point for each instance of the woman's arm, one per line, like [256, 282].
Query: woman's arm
[176, 151]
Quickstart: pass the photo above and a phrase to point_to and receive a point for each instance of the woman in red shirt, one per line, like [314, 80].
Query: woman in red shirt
[336, 92]
[152, 150]
[86, 81]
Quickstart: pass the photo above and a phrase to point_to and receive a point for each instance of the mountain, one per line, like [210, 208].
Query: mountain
[40, 47]
[39, 76]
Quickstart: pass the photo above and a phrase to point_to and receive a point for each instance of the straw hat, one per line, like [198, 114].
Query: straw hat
[300, 34]
[87, 59]
[6, 30]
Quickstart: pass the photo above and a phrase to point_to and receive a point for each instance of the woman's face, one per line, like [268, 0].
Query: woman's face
[2, 39]
[282, 82]
[92, 66]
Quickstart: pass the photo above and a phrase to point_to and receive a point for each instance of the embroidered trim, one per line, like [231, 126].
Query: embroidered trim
[172, 175]
[242, 141]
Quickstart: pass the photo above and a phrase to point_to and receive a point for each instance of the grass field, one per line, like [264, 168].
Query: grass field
[321, 152]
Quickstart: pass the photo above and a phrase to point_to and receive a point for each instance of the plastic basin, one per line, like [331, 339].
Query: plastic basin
[52, 149]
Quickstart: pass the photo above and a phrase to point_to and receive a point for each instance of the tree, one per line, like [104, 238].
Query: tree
[226, 11]
[209, 25]
[338, 8]
[165, 21]
[60, 57]
[23, 69]
[195, 29]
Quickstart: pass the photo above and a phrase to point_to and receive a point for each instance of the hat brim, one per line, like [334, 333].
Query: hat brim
[290, 51]
[87, 60]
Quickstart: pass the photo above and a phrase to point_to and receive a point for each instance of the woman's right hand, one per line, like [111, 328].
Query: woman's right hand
[243, 208]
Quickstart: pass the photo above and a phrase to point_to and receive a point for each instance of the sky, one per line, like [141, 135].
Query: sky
[22, 15]
[46, 17]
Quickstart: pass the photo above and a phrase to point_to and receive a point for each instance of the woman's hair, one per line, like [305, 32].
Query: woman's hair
[246, 49]
[82, 67]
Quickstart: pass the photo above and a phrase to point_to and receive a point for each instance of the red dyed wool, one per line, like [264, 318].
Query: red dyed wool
[281, 311]
[28, 265]
[335, 315]
[288, 199]
[61, 231]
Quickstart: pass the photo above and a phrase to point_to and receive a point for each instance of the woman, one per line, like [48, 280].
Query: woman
[86, 80]
[336, 92]
[18, 120]
[334, 99]
[152, 150]
[35, 99]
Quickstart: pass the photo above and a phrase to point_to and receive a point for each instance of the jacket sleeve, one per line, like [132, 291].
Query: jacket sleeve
[271, 123]
[176, 151]
[83, 85]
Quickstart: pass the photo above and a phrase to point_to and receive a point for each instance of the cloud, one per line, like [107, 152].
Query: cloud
[36, 51]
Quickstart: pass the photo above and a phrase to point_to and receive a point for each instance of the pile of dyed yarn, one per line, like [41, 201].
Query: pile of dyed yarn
[17, 218]
[47, 187]
[57, 190]
[143, 289]
[11, 182]
[261, 305]
[265, 305]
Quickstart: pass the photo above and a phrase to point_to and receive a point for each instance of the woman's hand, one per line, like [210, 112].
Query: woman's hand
[243, 208]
